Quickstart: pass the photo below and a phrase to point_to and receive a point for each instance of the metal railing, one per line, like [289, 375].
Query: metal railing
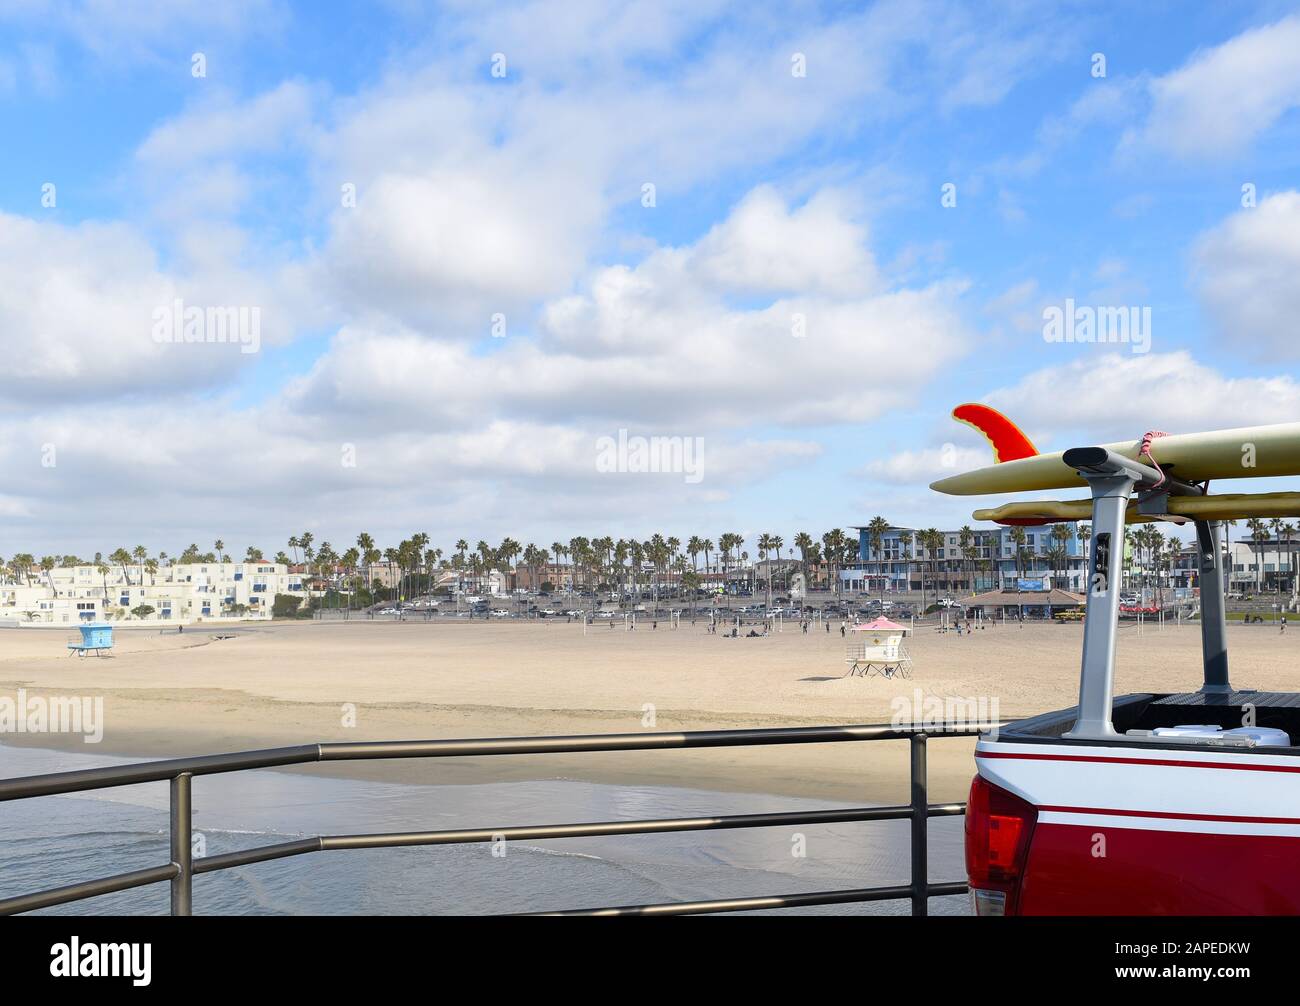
[180, 773]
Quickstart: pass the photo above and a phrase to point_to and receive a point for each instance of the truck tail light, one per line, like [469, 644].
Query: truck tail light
[998, 829]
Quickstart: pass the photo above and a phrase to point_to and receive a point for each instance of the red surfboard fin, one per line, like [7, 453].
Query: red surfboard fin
[1004, 436]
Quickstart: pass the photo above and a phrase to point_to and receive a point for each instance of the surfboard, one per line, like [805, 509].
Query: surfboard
[1247, 452]
[1229, 506]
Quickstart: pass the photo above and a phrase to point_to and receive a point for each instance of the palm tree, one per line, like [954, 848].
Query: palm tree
[876, 529]
[1259, 534]
[1085, 536]
[121, 556]
[803, 542]
[21, 564]
[102, 568]
[1287, 532]
[1060, 535]
[833, 542]
[578, 549]
[366, 549]
[966, 543]
[694, 546]
[139, 554]
[764, 545]
[350, 560]
[931, 541]
[1275, 525]
[557, 550]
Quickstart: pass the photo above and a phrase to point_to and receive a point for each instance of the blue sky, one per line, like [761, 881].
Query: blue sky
[776, 195]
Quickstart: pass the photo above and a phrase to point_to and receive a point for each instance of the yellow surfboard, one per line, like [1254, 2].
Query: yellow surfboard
[1229, 506]
[1248, 452]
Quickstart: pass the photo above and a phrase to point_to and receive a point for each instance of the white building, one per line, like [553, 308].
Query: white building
[1264, 565]
[181, 593]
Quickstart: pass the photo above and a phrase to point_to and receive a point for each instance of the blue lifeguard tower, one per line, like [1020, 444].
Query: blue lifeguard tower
[96, 637]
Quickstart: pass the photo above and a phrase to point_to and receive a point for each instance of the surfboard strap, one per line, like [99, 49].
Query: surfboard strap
[1145, 451]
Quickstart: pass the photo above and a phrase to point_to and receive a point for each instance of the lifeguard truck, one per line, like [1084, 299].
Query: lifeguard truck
[1162, 803]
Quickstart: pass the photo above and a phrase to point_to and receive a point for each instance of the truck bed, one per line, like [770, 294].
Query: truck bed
[1146, 711]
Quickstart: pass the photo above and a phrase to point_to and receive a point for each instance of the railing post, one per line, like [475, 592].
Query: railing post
[920, 827]
[182, 848]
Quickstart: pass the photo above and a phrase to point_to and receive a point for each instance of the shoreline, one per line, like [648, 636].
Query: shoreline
[876, 776]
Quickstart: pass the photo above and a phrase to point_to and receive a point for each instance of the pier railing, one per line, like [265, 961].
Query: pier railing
[180, 774]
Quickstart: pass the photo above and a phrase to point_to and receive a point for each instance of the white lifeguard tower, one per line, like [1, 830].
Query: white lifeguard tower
[877, 648]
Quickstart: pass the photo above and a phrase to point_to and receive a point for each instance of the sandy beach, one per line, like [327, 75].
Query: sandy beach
[288, 683]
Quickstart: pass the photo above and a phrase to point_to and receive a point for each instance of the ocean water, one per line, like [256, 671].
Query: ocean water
[50, 841]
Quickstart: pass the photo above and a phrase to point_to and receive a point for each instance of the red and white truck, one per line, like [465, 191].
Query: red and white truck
[1144, 804]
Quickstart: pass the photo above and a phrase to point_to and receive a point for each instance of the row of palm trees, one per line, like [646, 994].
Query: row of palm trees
[413, 566]
[628, 564]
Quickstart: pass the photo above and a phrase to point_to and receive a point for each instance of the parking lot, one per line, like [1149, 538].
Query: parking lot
[745, 608]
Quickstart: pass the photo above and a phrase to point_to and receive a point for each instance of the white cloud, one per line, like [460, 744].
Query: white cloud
[1245, 274]
[661, 341]
[120, 31]
[764, 247]
[1221, 99]
[219, 126]
[446, 249]
[927, 464]
[76, 316]
[77, 310]
[1120, 396]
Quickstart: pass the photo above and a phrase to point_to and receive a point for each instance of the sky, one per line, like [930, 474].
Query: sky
[469, 249]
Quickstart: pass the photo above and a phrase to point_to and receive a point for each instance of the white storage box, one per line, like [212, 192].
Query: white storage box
[1264, 737]
[1189, 730]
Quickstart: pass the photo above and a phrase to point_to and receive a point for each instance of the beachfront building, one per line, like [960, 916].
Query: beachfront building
[559, 576]
[180, 593]
[991, 559]
[1264, 565]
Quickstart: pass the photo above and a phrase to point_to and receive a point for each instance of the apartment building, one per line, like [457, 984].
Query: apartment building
[181, 593]
[902, 561]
